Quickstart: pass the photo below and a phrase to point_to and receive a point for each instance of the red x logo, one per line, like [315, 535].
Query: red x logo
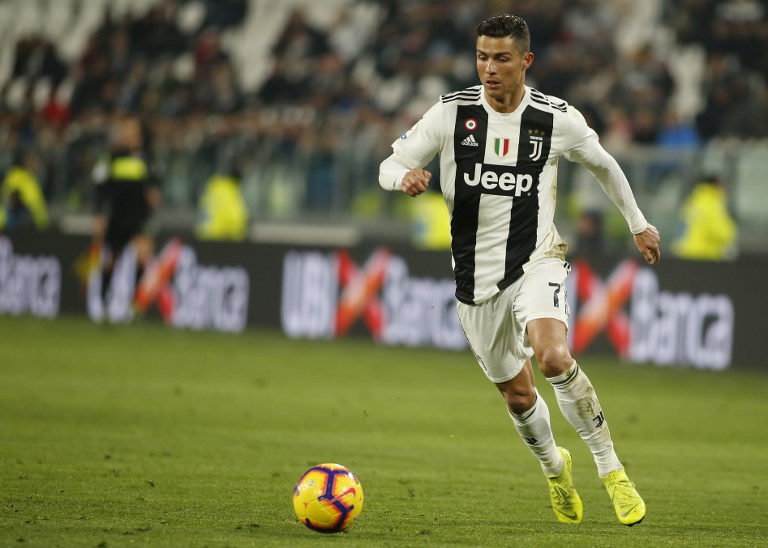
[155, 284]
[602, 309]
[360, 293]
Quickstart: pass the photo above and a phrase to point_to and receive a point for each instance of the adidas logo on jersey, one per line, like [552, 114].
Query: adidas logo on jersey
[470, 142]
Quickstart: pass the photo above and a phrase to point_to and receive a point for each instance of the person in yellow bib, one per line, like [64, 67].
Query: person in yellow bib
[222, 212]
[708, 231]
[22, 199]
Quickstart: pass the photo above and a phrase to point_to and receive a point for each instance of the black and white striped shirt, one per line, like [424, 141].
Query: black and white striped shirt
[498, 175]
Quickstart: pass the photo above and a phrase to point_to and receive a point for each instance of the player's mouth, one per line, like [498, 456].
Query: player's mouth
[493, 84]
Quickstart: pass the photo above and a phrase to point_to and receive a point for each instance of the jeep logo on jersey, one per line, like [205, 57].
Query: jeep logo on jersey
[501, 180]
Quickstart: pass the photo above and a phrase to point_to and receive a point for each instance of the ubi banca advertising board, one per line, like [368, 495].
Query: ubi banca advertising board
[704, 315]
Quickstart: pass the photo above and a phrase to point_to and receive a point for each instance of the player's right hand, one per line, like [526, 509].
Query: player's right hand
[99, 227]
[415, 182]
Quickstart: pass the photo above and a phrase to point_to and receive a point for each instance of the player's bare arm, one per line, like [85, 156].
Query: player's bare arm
[415, 182]
[647, 243]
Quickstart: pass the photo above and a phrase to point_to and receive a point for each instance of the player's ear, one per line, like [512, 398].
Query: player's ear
[527, 60]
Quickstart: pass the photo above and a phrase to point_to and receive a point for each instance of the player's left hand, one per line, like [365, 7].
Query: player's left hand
[648, 242]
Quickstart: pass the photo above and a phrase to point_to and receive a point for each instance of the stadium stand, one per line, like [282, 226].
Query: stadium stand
[307, 96]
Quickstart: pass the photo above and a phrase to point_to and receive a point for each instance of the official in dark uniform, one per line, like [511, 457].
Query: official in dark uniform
[126, 195]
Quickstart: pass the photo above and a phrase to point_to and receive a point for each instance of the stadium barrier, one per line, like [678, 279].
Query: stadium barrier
[705, 315]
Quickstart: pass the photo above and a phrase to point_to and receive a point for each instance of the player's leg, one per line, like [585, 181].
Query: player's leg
[542, 307]
[492, 336]
[118, 245]
[114, 242]
[575, 394]
[579, 404]
[145, 248]
[145, 251]
[530, 415]
[496, 340]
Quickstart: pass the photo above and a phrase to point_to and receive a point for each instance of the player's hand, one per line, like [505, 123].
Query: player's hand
[415, 182]
[154, 197]
[647, 243]
[99, 227]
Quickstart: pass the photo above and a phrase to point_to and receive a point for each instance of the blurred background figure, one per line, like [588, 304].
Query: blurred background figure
[314, 92]
[432, 222]
[590, 240]
[22, 200]
[222, 213]
[708, 230]
[126, 195]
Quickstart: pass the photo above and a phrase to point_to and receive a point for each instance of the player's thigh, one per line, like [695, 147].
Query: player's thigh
[542, 308]
[542, 292]
[495, 337]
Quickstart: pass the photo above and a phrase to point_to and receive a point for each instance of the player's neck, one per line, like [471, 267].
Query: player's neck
[506, 103]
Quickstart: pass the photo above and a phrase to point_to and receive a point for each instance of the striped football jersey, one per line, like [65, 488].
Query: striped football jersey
[498, 176]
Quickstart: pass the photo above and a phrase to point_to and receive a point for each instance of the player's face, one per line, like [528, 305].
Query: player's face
[501, 68]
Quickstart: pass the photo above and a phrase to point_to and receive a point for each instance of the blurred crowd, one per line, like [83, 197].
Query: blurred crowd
[309, 135]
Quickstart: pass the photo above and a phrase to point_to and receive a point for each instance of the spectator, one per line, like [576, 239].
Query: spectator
[222, 213]
[590, 240]
[208, 52]
[224, 13]
[157, 33]
[708, 230]
[55, 112]
[22, 200]
[37, 58]
[677, 134]
[365, 61]
[281, 86]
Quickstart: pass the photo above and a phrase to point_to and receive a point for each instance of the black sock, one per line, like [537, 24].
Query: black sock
[106, 280]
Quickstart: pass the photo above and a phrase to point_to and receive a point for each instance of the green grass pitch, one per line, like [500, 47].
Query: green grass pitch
[146, 436]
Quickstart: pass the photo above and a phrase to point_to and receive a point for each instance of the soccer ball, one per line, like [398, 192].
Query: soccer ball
[328, 498]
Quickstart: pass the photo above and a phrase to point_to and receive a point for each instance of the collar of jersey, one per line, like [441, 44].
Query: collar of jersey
[506, 115]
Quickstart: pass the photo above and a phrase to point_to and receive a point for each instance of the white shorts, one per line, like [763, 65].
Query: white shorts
[496, 329]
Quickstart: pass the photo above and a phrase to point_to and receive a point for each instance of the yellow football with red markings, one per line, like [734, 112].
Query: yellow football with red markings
[328, 498]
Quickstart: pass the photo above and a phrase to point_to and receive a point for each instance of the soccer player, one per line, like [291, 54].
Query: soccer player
[499, 144]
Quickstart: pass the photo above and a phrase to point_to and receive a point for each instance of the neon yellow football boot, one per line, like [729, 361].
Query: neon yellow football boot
[629, 506]
[565, 500]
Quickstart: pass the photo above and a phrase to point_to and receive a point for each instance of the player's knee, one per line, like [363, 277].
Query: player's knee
[519, 401]
[554, 360]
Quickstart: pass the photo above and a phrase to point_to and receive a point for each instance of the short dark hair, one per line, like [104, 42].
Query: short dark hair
[501, 26]
[711, 178]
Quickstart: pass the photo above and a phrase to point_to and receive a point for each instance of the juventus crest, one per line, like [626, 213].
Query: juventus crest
[536, 139]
